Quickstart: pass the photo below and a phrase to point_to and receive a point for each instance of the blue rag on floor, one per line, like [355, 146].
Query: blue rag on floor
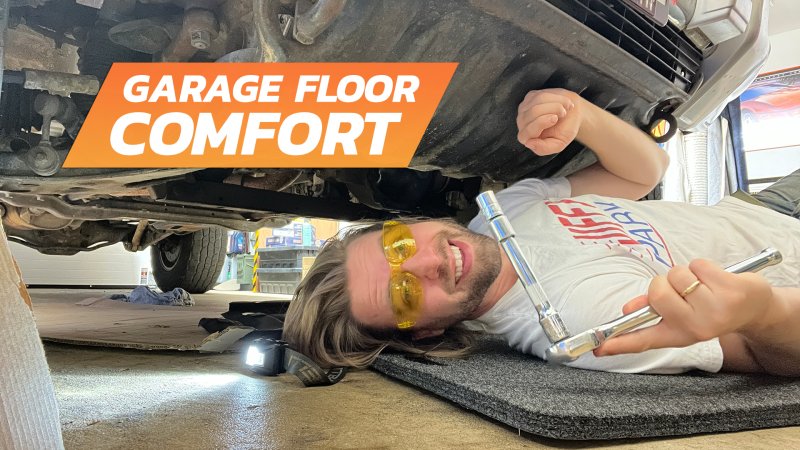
[145, 295]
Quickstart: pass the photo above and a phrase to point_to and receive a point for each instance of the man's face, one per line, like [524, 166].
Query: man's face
[448, 297]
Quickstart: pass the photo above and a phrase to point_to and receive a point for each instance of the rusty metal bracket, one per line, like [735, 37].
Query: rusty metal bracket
[59, 83]
[310, 22]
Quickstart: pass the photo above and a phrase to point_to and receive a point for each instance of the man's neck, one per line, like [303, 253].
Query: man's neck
[503, 283]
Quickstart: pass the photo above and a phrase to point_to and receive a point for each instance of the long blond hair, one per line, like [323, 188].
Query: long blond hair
[319, 323]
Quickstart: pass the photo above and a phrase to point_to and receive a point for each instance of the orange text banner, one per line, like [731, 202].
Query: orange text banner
[252, 115]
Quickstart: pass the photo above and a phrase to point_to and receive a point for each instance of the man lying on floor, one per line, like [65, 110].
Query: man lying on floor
[426, 286]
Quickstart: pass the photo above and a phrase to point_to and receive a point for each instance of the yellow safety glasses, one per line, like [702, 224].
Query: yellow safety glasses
[405, 289]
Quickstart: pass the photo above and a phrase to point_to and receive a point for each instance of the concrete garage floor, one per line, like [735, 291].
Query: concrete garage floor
[113, 398]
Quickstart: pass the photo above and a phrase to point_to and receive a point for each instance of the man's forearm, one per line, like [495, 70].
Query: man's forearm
[622, 149]
[630, 163]
[775, 338]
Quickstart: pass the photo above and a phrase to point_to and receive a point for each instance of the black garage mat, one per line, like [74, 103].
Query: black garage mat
[564, 403]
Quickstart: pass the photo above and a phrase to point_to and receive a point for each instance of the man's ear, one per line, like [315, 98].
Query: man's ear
[425, 334]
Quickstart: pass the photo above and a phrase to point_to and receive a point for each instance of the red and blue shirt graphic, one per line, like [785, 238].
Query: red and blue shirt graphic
[613, 225]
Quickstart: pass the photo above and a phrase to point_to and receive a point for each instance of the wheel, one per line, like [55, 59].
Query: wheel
[190, 261]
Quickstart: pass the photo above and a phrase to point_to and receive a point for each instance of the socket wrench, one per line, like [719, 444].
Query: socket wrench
[550, 321]
[571, 348]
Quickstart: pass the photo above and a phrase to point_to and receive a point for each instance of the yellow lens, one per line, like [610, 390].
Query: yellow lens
[405, 291]
[661, 128]
[398, 242]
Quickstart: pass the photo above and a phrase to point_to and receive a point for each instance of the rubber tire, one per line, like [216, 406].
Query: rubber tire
[190, 261]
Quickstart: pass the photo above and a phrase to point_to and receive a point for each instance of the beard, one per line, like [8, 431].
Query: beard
[485, 268]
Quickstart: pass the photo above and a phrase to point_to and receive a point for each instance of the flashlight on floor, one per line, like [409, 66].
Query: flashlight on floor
[265, 356]
[272, 357]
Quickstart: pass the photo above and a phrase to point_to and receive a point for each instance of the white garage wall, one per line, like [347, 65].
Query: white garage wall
[107, 266]
[783, 50]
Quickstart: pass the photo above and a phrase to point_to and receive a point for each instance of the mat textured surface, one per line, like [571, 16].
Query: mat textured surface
[564, 403]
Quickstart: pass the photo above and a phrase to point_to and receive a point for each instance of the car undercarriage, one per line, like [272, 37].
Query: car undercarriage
[611, 54]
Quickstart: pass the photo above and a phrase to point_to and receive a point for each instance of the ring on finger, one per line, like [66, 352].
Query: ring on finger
[692, 287]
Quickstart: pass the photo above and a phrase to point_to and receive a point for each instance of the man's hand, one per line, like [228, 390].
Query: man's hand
[629, 163]
[548, 120]
[723, 303]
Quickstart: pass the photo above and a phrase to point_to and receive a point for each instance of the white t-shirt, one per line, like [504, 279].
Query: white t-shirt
[593, 254]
